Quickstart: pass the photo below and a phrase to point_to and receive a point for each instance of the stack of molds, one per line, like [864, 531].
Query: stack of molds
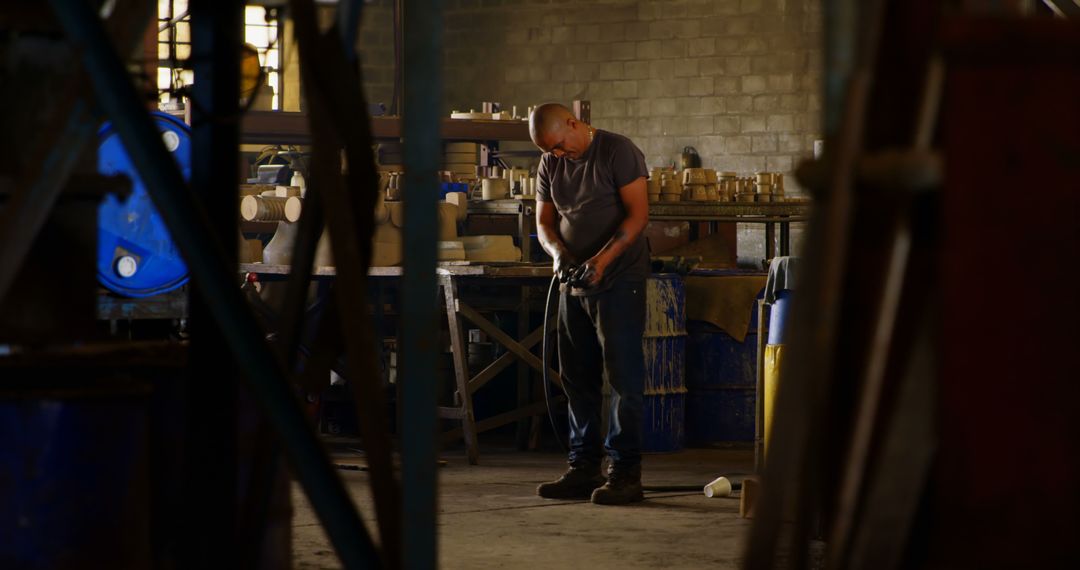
[671, 188]
[769, 187]
[490, 248]
[461, 158]
[699, 185]
[387, 241]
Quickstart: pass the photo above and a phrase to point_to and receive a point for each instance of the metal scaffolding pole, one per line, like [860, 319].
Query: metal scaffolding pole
[423, 147]
[210, 492]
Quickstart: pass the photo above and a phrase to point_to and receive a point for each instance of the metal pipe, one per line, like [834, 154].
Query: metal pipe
[423, 29]
[841, 33]
[348, 24]
[206, 260]
[210, 473]
[759, 401]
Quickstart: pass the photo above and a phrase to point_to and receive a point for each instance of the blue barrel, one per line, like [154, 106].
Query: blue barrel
[664, 345]
[778, 314]
[136, 255]
[721, 381]
[74, 485]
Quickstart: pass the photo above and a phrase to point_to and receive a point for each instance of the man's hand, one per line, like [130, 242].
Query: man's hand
[563, 266]
[593, 271]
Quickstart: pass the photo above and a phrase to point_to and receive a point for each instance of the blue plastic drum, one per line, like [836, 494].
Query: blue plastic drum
[778, 316]
[663, 417]
[136, 255]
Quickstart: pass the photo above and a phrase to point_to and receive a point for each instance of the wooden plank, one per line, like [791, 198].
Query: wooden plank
[461, 369]
[500, 364]
[451, 268]
[450, 413]
[172, 305]
[751, 489]
[504, 339]
[533, 409]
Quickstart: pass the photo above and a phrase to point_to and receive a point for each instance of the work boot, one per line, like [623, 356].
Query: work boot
[623, 486]
[577, 483]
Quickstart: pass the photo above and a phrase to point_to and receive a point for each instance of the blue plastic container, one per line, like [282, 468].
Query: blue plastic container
[778, 314]
[664, 345]
[136, 255]
[448, 187]
[720, 414]
[74, 484]
[721, 378]
[714, 358]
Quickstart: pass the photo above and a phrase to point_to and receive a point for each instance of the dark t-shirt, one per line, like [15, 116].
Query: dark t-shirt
[586, 196]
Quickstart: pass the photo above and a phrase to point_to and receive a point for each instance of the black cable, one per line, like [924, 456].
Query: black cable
[544, 361]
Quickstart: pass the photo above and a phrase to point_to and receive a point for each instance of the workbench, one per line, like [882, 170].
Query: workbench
[452, 278]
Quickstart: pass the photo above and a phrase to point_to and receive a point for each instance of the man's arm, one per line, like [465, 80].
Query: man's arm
[546, 230]
[635, 199]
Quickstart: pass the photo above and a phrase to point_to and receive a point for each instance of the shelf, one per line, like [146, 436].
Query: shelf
[512, 270]
[278, 127]
[171, 305]
[793, 211]
[508, 207]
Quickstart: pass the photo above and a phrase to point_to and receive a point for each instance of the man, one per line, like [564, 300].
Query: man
[591, 207]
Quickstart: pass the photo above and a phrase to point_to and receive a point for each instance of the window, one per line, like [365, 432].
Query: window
[262, 29]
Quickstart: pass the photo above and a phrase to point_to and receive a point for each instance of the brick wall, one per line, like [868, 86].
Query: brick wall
[739, 80]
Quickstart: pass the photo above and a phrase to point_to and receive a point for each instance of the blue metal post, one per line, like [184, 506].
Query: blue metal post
[348, 25]
[841, 39]
[423, 149]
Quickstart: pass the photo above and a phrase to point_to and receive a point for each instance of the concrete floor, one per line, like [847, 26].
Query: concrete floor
[490, 516]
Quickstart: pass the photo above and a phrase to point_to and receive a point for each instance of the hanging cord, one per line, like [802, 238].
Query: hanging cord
[545, 351]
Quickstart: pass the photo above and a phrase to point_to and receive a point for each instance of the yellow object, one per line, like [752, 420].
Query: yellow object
[250, 71]
[774, 356]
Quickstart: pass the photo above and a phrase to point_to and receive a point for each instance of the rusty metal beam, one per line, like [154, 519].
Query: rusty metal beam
[339, 121]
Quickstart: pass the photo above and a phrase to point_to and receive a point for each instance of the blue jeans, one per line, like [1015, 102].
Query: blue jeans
[600, 337]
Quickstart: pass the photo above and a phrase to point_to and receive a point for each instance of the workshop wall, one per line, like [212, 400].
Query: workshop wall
[739, 80]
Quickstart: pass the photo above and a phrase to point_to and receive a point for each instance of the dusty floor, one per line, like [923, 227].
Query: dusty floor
[490, 516]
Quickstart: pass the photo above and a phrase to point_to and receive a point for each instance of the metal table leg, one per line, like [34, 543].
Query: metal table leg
[770, 240]
[785, 238]
[523, 424]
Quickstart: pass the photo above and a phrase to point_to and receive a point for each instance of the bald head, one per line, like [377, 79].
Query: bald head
[548, 118]
[554, 128]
